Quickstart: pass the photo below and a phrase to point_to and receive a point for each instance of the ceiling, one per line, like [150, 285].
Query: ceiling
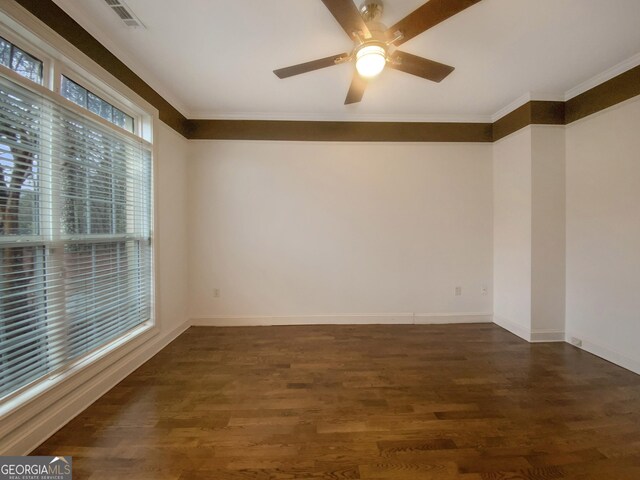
[214, 58]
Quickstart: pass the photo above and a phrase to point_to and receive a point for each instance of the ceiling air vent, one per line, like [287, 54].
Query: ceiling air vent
[124, 12]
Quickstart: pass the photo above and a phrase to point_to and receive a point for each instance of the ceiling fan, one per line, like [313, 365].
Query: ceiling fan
[375, 44]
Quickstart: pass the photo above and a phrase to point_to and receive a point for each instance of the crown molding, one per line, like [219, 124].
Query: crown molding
[534, 112]
[612, 92]
[603, 77]
[524, 99]
[612, 87]
[517, 103]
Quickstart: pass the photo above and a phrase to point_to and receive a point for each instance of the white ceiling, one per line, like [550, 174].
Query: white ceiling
[214, 58]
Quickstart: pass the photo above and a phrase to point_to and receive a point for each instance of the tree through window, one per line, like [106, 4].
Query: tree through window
[75, 225]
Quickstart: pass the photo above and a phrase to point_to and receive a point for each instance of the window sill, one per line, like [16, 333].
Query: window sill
[34, 399]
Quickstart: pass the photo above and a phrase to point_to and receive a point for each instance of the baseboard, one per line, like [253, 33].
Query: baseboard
[38, 424]
[515, 328]
[543, 336]
[605, 352]
[348, 319]
[531, 336]
[446, 318]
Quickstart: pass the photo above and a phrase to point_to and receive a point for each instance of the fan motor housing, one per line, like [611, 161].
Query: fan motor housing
[371, 10]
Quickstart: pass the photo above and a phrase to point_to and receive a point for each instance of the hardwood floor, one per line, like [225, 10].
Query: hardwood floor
[373, 402]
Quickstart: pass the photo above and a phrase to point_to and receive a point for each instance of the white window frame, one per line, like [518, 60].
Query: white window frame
[59, 58]
[73, 75]
[47, 62]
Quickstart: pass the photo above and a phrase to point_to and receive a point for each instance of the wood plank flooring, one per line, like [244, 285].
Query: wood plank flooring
[437, 402]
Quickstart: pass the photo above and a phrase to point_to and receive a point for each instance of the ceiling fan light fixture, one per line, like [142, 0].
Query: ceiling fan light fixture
[370, 60]
[375, 44]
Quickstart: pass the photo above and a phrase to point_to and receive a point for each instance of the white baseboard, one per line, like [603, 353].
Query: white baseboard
[513, 327]
[348, 319]
[531, 336]
[42, 419]
[263, 321]
[543, 336]
[597, 348]
[446, 318]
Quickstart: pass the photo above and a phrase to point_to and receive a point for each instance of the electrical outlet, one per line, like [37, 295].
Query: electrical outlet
[576, 341]
[216, 293]
[458, 291]
[484, 290]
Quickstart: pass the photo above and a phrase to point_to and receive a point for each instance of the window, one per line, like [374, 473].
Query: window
[20, 61]
[75, 228]
[86, 99]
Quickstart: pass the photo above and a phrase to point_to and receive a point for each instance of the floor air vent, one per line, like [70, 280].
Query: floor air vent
[124, 12]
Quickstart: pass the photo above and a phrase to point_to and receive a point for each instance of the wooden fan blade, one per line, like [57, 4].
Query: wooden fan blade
[309, 66]
[348, 16]
[421, 67]
[423, 18]
[356, 90]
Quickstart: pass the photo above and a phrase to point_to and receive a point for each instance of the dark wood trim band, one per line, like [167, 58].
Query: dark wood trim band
[512, 121]
[605, 95]
[57, 19]
[338, 131]
[531, 113]
[547, 113]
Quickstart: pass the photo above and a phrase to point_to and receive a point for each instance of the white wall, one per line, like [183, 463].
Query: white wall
[603, 233]
[366, 231]
[529, 232]
[171, 227]
[512, 221]
[547, 232]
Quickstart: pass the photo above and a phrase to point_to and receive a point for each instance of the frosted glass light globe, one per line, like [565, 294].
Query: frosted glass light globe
[370, 60]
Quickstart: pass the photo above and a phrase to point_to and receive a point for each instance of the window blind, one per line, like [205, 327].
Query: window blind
[75, 227]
